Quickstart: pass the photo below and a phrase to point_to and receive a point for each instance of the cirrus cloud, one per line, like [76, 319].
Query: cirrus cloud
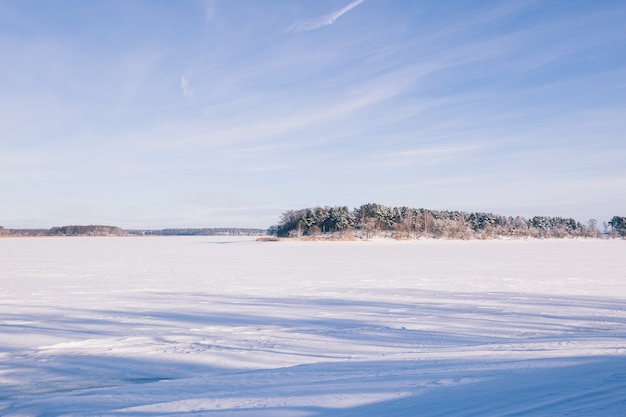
[325, 20]
[185, 87]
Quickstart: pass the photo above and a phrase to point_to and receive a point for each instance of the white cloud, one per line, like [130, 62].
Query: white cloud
[325, 20]
[185, 87]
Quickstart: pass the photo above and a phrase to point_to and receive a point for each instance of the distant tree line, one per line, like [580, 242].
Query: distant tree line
[91, 230]
[22, 232]
[87, 231]
[376, 220]
[97, 230]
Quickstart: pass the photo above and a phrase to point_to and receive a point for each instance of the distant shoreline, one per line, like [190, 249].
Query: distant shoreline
[114, 231]
[260, 234]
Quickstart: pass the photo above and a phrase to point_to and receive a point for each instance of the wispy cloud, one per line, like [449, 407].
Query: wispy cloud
[325, 20]
[185, 87]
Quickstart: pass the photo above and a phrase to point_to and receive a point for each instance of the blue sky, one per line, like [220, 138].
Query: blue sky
[227, 112]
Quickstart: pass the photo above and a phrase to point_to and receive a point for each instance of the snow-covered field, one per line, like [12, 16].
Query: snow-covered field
[233, 327]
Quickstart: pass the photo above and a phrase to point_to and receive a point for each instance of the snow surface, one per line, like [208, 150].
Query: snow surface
[233, 327]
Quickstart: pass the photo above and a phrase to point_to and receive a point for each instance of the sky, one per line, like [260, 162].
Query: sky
[226, 113]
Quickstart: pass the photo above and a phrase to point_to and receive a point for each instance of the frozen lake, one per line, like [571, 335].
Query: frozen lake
[212, 326]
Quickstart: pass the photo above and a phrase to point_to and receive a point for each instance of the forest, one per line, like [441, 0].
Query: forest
[376, 220]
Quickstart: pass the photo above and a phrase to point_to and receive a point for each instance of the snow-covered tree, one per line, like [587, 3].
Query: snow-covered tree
[618, 225]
